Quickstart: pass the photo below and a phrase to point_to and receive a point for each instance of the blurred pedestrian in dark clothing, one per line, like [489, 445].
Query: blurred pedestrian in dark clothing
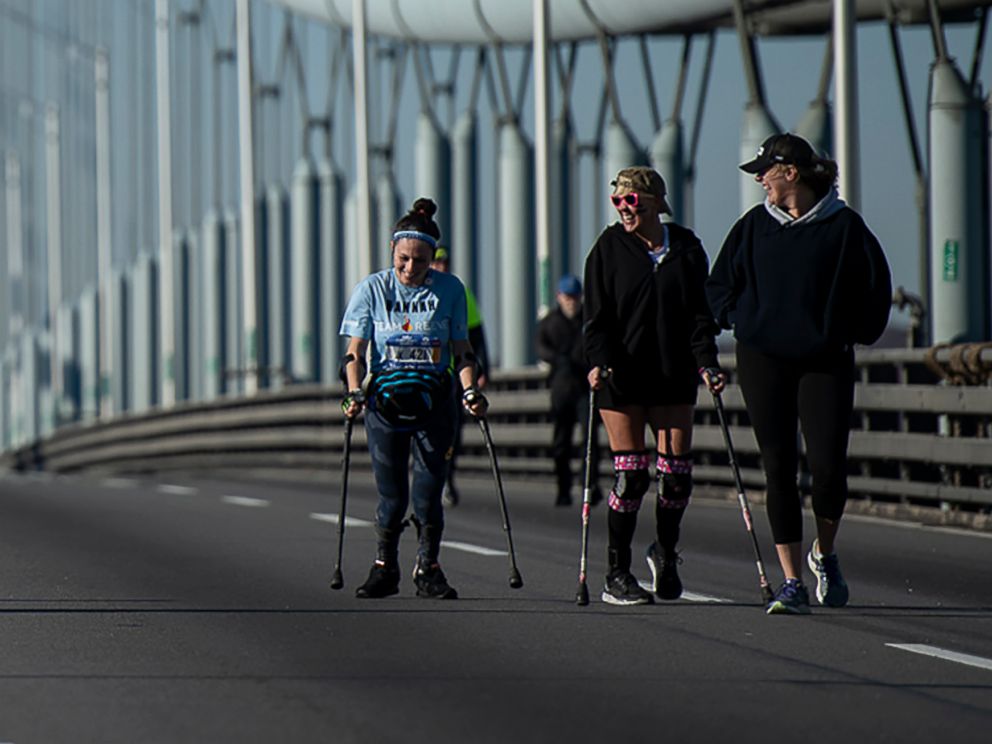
[477, 338]
[559, 343]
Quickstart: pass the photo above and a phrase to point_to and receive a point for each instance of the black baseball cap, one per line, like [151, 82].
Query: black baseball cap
[784, 149]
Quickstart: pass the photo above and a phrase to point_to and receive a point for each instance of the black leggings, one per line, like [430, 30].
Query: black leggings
[817, 392]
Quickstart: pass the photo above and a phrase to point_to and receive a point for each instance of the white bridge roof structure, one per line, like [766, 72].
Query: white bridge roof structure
[510, 21]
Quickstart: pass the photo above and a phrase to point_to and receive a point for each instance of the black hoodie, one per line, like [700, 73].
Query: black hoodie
[799, 290]
[650, 323]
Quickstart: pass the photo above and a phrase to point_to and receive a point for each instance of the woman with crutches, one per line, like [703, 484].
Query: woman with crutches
[648, 327]
[801, 279]
[412, 322]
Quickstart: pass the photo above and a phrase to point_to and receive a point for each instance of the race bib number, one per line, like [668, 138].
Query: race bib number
[412, 351]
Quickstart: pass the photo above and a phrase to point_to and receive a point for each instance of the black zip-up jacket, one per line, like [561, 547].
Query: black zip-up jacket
[801, 290]
[650, 323]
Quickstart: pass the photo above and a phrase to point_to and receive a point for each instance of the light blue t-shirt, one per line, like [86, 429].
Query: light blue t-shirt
[407, 325]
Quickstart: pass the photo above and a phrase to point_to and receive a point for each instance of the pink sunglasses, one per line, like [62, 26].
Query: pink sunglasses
[633, 199]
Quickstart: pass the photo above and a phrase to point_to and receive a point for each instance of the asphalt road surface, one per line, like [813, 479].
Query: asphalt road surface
[185, 610]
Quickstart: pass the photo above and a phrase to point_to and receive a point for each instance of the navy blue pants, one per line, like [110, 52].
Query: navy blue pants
[391, 447]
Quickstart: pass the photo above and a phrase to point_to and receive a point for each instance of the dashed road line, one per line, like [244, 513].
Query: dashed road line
[697, 597]
[452, 544]
[689, 596]
[118, 482]
[469, 548]
[943, 653]
[176, 490]
[245, 501]
[348, 521]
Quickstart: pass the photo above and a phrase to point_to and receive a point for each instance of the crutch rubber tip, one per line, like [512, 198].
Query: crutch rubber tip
[767, 594]
[338, 581]
[515, 581]
[582, 595]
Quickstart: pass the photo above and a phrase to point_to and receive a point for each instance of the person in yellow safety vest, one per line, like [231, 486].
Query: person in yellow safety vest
[477, 337]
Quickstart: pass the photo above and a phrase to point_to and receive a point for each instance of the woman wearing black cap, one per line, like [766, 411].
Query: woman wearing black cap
[649, 331]
[801, 279]
[412, 319]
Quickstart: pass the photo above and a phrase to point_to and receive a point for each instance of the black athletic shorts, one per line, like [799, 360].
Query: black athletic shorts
[644, 387]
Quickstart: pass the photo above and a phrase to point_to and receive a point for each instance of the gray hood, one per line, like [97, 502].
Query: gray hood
[828, 205]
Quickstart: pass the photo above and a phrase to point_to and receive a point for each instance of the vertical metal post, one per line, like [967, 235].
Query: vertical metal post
[15, 246]
[53, 181]
[247, 160]
[758, 121]
[104, 229]
[542, 145]
[846, 98]
[166, 280]
[922, 196]
[363, 211]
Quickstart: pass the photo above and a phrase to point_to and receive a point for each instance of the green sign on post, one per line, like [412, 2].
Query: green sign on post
[951, 260]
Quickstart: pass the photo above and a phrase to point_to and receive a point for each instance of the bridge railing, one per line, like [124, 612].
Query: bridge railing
[919, 439]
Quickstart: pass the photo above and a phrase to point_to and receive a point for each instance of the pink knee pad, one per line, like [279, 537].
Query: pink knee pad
[674, 481]
[632, 481]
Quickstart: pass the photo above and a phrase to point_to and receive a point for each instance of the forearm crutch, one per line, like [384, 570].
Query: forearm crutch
[338, 580]
[766, 589]
[582, 593]
[515, 580]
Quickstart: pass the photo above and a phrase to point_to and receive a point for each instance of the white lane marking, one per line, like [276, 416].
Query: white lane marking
[119, 482]
[469, 548]
[943, 653]
[453, 544]
[695, 597]
[688, 596]
[176, 490]
[244, 501]
[348, 521]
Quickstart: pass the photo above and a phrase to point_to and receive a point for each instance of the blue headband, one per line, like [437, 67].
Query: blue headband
[415, 235]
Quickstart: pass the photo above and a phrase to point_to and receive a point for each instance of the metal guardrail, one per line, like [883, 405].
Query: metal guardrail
[918, 440]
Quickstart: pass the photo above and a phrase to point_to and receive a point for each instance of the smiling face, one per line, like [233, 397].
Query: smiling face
[635, 208]
[411, 261]
[779, 183]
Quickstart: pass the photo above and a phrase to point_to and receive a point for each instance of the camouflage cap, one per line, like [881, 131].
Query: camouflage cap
[644, 180]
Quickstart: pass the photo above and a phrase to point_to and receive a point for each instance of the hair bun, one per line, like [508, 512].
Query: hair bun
[425, 207]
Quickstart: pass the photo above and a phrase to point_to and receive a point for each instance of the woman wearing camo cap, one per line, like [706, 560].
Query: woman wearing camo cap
[649, 337]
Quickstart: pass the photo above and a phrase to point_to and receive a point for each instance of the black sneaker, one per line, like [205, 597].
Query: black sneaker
[431, 582]
[383, 581]
[664, 572]
[622, 589]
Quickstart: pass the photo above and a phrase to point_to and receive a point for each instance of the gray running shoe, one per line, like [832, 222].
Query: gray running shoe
[831, 589]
